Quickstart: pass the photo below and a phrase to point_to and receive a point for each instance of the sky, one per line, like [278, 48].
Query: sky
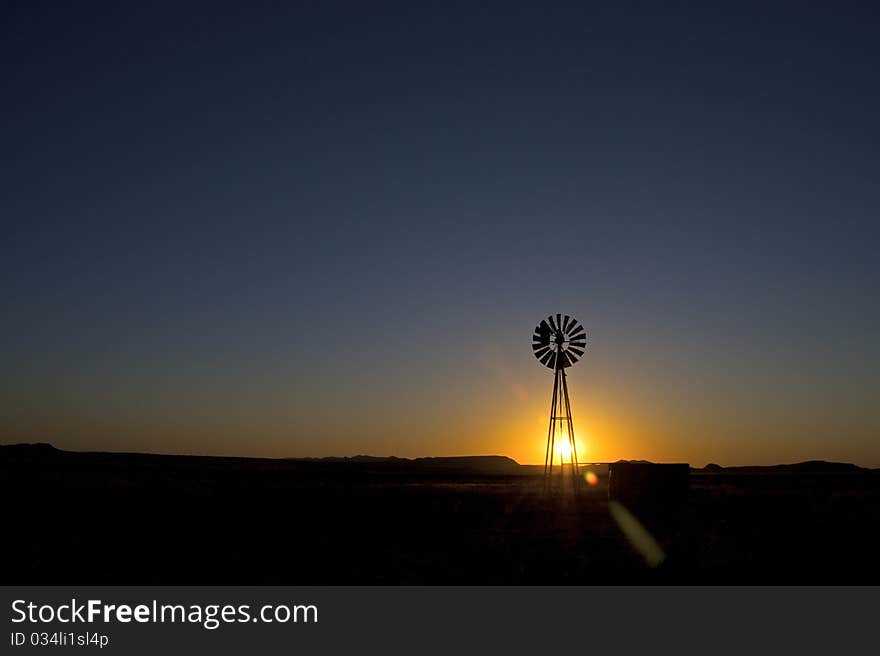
[328, 229]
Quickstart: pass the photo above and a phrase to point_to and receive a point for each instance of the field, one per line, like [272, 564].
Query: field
[100, 518]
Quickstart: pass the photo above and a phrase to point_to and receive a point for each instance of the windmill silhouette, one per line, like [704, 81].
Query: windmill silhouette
[559, 343]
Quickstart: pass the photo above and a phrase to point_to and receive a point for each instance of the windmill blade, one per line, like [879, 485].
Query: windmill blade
[540, 353]
[565, 321]
[578, 352]
[542, 333]
[563, 359]
[552, 325]
[575, 331]
[546, 357]
[537, 346]
[580, 345]
[559, 321]
[552, 364]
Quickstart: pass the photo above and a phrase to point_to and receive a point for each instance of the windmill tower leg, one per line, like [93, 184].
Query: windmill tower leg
[571, 440]
[551, 433]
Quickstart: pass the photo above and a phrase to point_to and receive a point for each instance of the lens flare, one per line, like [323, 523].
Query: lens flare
[591, 478]
[638, 535]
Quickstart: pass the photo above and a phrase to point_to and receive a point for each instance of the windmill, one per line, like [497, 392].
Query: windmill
[558, 343]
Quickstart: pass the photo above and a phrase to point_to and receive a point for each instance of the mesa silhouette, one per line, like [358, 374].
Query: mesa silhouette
[128, 518]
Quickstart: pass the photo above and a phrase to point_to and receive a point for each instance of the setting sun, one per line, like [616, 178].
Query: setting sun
[563, 448]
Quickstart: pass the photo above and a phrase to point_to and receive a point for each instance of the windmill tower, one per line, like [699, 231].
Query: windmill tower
[558, 343]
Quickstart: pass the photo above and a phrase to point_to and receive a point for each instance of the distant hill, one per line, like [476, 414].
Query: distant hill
[30, 452]
[466, 465]
[482, 461]
[495, 465]
[32, 447]
[809, 466]
[470, 462]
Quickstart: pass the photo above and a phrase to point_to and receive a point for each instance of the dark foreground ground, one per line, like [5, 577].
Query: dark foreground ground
[97, 518]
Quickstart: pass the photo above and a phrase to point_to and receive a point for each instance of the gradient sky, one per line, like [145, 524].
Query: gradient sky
[303, 229]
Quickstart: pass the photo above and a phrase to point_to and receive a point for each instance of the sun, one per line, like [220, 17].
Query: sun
[563, 448]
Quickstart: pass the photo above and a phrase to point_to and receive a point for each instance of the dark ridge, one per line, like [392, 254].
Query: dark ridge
[430, 460]
[24, 451]
[497, 461]
[357, 458]
[810, 466]
[35, 447]
[392, 465]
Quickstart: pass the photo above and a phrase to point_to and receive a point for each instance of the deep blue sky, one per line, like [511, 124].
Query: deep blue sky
[321, 228]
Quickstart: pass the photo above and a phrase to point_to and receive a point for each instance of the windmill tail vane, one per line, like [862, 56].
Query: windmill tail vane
[558, 343]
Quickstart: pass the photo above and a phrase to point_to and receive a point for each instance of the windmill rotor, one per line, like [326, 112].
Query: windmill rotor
[559, 341]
